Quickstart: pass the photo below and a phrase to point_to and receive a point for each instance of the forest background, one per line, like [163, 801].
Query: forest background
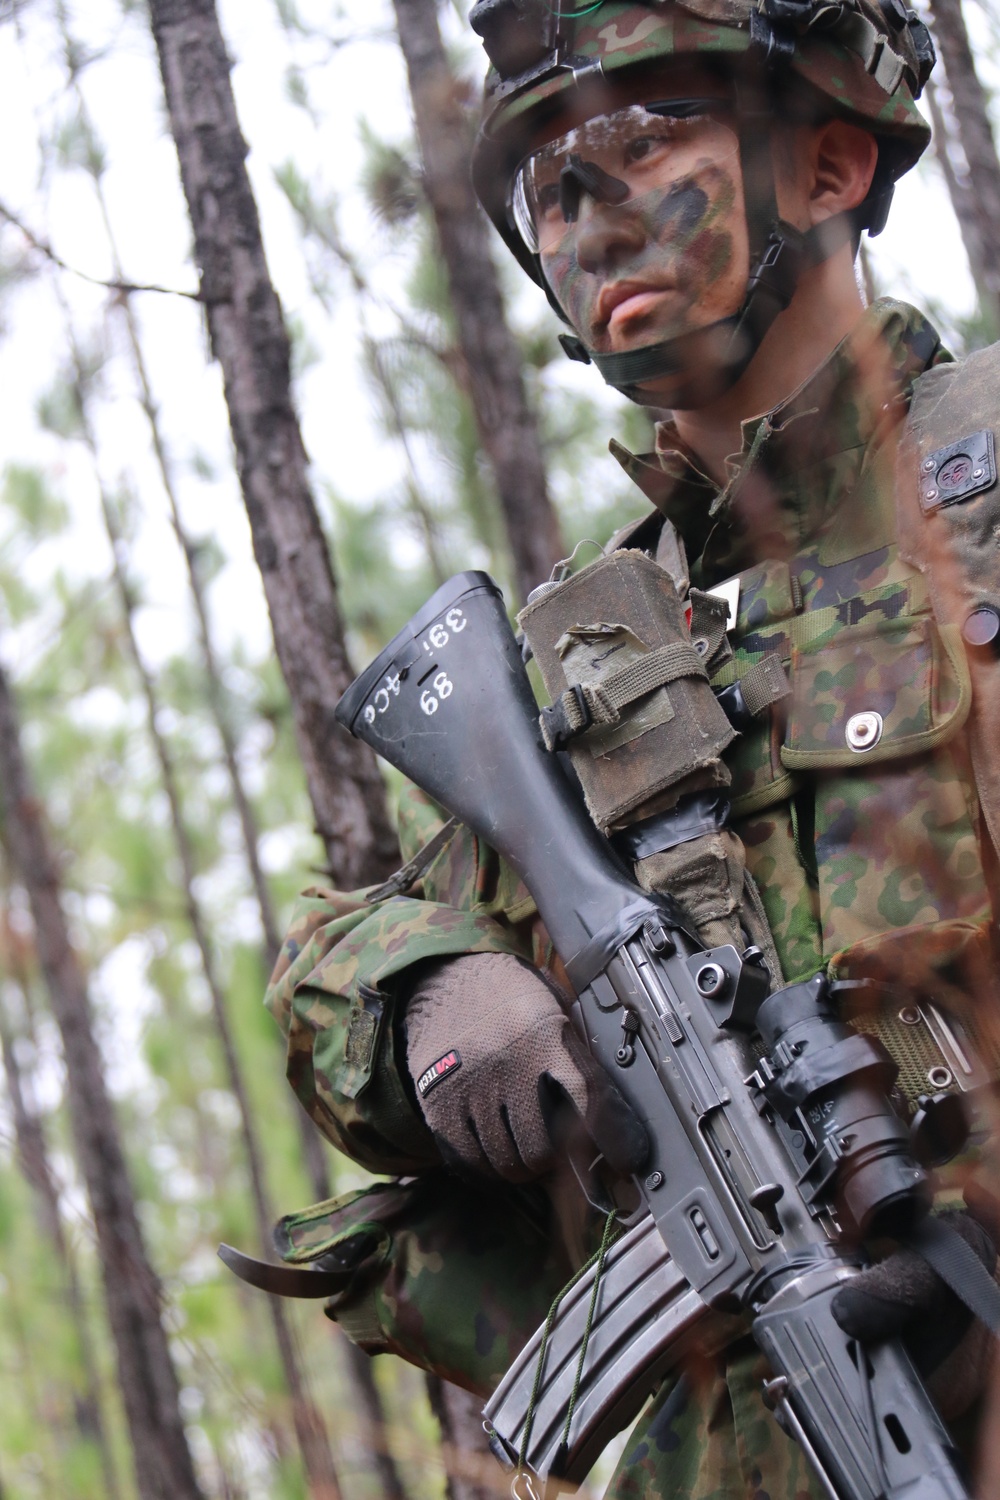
[172, 638]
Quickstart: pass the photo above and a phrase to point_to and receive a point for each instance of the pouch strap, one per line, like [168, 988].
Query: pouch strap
[709, 618]
[587, 705]
[410, 873]
[283, 1281]
[764, 683]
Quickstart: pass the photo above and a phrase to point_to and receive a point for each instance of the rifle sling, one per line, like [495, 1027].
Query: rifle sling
[960, 1268]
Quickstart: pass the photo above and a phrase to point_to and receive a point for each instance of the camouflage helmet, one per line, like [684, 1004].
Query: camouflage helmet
[862, 60]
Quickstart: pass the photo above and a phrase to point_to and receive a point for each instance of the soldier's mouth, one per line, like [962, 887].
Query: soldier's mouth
[623, 302]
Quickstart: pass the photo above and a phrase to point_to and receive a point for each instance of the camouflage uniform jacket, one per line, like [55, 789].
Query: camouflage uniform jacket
[866, 864]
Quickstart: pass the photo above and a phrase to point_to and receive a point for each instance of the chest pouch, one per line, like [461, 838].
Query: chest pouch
[632, 706]
[630, 695]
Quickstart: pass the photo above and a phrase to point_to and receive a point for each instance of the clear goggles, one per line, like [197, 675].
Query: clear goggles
[612, 158]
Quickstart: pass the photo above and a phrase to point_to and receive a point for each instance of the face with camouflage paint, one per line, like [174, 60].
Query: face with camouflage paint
[639, 219]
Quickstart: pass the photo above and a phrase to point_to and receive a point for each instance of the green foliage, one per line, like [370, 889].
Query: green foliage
[391, 180]
[74, 143]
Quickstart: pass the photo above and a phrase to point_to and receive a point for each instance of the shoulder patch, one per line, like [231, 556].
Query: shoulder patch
[958, 470]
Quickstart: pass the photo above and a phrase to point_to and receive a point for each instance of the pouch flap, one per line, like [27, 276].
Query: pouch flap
[355, 1220]
[878, 690]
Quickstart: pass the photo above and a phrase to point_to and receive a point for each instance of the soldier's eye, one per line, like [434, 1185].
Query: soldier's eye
[546, 198]
[642, 147]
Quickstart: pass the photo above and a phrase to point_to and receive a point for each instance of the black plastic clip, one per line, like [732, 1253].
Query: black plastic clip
[770, 41]
[777, 271]
[923, 44]
[574, 348]
[730, 699]
[555, 723]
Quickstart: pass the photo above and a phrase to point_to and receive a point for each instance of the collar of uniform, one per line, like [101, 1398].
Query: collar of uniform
[804, 456]
[671, 480]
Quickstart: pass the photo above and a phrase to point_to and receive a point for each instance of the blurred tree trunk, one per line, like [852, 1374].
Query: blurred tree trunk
[309, 1428]
[974, 184]
[163, 1466]
[471, 1471]
[311, 1433]
[249, 339]
[36, 1168]
[373, 1434]
[493, 367]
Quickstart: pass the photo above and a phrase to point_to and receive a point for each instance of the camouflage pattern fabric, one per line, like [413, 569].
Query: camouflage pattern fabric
[711, 1438]
[626, 34]
[868, 70]
[424, 1248]
[867, 863]
[333, 991]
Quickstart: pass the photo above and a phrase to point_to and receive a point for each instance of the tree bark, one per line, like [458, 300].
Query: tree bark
[975, 192]
[249, 339]
[507, 427]
[312, 1437]
[36, 1168]
[163, 1465]
[380, 1459]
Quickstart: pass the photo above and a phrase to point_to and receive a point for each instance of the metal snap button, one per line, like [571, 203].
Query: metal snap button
[982, 627]
[864, 731]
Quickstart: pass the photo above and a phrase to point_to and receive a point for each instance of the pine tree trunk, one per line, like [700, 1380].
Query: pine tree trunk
[312, 1437]
[493, 367]
[249, 339]
[975, 192]
[33, 1160]
[310, 1431]
[379, 1458]
[163, 1466]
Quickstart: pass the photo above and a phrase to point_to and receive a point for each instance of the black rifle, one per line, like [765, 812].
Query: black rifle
[772, 1142]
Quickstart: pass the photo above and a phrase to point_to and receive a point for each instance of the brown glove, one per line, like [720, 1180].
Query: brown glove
[902, 1296]
[499, 1071]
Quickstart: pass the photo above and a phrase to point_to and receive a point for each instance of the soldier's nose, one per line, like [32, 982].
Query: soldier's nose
[605, 235]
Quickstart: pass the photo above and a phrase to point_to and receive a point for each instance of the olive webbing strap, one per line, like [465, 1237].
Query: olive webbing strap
[588, 704]
[765, 683]
[652, 670]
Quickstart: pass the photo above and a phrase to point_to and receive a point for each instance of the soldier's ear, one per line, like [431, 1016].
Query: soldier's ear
[842, 161]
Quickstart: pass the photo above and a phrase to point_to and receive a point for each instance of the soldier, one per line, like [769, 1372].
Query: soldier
[689, 181]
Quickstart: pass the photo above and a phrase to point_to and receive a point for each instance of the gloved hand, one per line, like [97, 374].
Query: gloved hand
[903, 1297]
[500, 1073]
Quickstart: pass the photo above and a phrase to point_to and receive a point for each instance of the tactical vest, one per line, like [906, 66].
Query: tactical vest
[900, 682]
[879, 759]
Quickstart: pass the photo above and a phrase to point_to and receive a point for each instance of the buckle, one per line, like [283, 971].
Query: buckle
[557, 727]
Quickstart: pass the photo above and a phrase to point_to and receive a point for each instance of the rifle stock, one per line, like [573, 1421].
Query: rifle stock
[748, 1183]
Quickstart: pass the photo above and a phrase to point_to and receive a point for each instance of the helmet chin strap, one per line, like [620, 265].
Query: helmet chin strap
[779, 253]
